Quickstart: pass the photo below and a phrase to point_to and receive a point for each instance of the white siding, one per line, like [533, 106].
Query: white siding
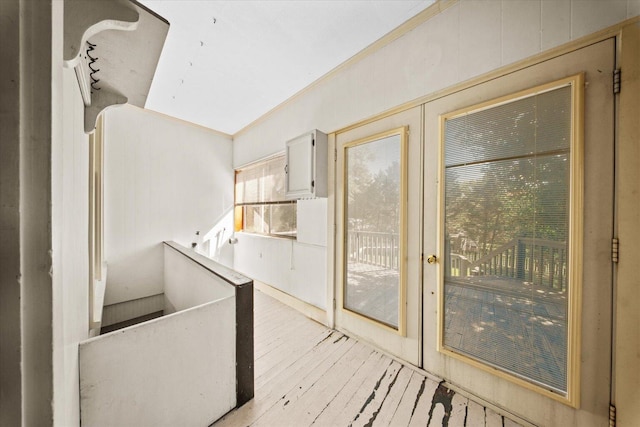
[164, 180]
[465, 41]
[70, 216]
[297, 269]
[178, 370]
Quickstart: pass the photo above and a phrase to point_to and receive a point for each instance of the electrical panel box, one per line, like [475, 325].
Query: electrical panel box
[306, 169]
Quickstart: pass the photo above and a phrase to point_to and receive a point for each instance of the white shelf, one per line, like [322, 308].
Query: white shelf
[128, 41]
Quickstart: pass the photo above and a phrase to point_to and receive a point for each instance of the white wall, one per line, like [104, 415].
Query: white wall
[43, 196]
[164, 180]
[177, 370]
[466, 40]
[188, 284]
[297, 267]
[71, 270]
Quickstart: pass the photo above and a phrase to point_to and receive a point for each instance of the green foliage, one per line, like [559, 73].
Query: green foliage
[373, 189]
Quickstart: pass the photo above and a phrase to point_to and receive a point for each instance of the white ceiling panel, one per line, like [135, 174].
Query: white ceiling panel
[226, 63]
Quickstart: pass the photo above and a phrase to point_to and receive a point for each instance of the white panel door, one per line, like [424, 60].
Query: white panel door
[521, 221]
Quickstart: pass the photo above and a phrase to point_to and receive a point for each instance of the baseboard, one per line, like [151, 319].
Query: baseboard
[311, 311]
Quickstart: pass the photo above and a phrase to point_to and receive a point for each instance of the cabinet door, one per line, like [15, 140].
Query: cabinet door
[300, 167]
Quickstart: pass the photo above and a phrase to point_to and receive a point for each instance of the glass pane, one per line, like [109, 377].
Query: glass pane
[283, 219]
[506, 238]
[274, 180]
[372, 222]
[254, 219]
[248, 185]
[263, 182]
[531, 125]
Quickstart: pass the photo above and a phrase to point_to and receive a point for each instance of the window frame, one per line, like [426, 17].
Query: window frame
[575, 239]
[240, 216]
[402, 241]
[96, 222]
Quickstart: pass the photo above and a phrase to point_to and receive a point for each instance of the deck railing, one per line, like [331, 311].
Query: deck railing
[541, 262]
[538, 261]
[373, 248]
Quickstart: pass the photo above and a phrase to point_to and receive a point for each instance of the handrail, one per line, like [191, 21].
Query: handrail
[230, 276]
[244, 319]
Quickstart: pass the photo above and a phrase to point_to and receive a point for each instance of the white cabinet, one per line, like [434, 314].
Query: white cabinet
[306, 170]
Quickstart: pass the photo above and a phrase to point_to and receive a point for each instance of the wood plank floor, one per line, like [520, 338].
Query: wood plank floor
[308, 375]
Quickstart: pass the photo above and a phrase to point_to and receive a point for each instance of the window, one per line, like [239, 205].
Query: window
[261, 206]
[96, 222]
[511, 275]
[374, 194]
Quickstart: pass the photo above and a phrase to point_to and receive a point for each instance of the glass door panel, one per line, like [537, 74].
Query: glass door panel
[373, 223]
[507, 199]
[378, 276]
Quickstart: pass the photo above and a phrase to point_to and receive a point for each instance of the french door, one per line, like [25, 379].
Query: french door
[378, 182]
[518, 215]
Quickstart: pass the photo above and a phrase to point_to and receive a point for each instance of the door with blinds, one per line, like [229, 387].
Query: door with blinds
[518, 215]
[378, 269]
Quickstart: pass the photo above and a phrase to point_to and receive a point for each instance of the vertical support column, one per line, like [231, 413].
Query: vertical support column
[10, 338]
[244, 343]
[37, 89]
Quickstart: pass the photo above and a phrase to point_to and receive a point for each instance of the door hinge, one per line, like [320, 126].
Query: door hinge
[616, 80]
[334, 303]
[313, 142]
[335, 154]
[614, 249]
[313, 183]
[612, 416]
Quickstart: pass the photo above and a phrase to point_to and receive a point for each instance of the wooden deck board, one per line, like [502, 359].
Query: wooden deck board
[391, 402]
[420, 415]
[276, 363]
[308, 404]
[309, 375]
[370, 408]
[408, 402]
[459, 411]
[336, 407]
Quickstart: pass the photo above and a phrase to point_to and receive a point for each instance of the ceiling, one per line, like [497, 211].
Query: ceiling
[226, 63]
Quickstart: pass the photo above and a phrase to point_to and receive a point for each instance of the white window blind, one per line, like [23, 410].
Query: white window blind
[507, 199]
[260, 199]
[261, 183]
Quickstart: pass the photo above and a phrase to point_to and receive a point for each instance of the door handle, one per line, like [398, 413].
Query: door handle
[432, 259]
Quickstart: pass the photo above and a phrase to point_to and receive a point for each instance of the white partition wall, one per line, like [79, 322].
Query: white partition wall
[189, 367]
[164, 180]
[187, 285]
[137, 375]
